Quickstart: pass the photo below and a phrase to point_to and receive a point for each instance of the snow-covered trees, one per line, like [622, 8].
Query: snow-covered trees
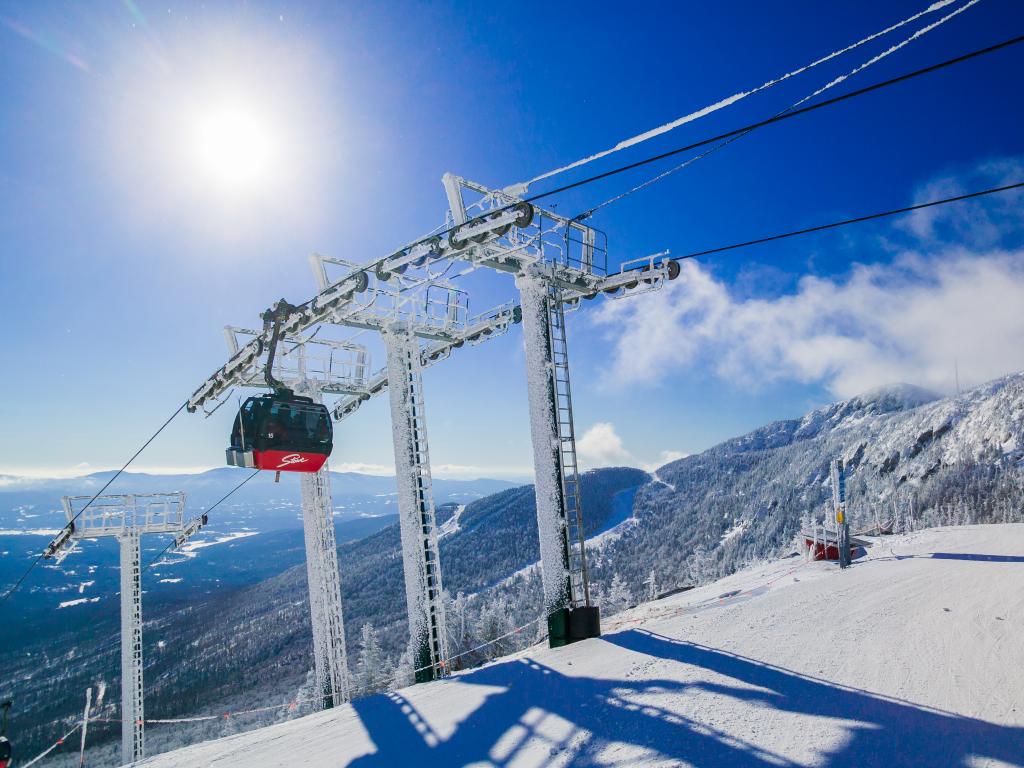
[457, 613]
[619, 596]
[373, 671]
[651, 582]
[403, 672]
[701, 566]
[492, 624]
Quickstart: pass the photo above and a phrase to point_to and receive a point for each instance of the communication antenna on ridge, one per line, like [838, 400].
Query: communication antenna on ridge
[839, 505]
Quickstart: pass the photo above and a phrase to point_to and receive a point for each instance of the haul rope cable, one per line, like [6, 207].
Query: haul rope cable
[780, 117]
[205, 512]
[106, 485]
[845, 222]
[52, 747]
[831, 84]
[728, 101]
[713, 139]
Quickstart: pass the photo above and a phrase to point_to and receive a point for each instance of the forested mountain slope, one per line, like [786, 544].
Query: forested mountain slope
[923, 459]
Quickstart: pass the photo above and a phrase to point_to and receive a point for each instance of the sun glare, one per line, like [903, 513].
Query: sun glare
[234, 147]
[224, 135]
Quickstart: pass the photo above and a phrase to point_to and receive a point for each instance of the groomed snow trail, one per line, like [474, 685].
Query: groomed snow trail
[913, 657]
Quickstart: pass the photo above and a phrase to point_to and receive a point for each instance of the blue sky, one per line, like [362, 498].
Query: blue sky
[123, 256]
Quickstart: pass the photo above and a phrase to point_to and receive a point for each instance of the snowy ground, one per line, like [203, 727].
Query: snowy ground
[913, 657]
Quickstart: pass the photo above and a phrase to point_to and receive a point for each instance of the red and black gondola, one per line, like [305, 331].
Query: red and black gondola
[280, 431]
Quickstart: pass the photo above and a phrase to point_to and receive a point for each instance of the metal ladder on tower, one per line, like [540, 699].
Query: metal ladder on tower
[417, 422]
[132, 714]
[579, 587]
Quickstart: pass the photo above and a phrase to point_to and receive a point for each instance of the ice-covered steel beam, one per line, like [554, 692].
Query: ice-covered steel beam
[317, 310]
[133, 739]
[475, 240]
[479, 241]
[486, 326]
[330, 657]
[420, 555]
[543, 402]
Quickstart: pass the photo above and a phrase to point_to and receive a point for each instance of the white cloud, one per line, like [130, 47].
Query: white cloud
[450, 471]
[601, 446]
[362, 468]
[84, 468]
[982, 223]
[907, 320]
[472, 472]
[665, 457]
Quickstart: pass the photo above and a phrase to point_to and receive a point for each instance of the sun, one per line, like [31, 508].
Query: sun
[235, 148]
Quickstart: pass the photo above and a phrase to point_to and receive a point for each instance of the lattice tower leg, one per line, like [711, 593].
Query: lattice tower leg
[428, 639]
[132, 713]
[557, 486]
[330, 661]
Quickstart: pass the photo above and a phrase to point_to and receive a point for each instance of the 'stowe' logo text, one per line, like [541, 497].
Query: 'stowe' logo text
[293, 458]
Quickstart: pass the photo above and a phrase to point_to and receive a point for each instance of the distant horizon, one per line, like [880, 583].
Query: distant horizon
[73, 473]
[443, 472]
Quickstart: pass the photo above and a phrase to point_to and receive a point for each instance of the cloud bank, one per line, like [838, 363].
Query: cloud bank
[912, 318]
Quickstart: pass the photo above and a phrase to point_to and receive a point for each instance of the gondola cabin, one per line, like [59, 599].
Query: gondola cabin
[281, 432]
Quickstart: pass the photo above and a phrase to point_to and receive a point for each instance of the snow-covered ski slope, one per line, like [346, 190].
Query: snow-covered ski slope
[913, 657]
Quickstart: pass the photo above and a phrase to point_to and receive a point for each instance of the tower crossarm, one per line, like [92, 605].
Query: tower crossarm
[478, 329]
[112, 515]
[574, 254]
[335, 299]
[488, 228]
[367, 298]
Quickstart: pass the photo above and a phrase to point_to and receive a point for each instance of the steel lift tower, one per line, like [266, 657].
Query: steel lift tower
[840, 518]
[126, 518]
[420, 554]
[420, 320]
[556, 261]
[312, 367]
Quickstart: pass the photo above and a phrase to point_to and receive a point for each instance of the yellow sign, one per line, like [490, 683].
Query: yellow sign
[839, 515]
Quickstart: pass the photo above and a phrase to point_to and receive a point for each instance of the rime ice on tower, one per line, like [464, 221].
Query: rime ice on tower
[556, 262]
[126, 518]
[422, 318]
[428, 637]
[330, 658]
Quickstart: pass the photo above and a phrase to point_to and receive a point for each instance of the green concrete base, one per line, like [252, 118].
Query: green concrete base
[568, 625]
[423, 660]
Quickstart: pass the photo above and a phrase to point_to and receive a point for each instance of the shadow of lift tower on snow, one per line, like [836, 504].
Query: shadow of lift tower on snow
[886, 731]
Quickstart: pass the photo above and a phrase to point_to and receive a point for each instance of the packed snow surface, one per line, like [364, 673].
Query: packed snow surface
[912, 657]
